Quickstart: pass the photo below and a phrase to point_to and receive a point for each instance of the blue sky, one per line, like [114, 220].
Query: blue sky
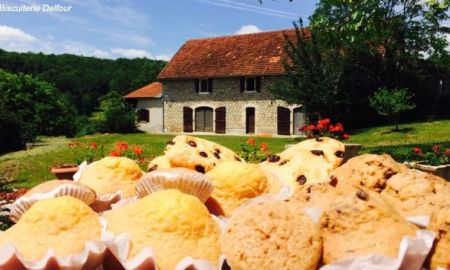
[138, 28]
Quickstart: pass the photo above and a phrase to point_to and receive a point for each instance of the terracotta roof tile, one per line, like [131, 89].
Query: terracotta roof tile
[153, 90]
[238, 55]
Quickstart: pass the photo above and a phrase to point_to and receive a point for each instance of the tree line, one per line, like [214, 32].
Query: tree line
[55, 94]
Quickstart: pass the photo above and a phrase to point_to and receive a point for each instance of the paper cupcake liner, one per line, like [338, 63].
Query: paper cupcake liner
[105, 201]
[187, 181]
[90, 258]
[21, 205]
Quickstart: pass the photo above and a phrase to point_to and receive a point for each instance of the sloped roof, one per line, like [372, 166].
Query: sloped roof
[238, 55]
[153, 90]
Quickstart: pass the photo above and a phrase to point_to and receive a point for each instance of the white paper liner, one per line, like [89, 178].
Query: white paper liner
[90, 258]
[119, 246]
[412, 254]
[421, 221]
[185, 180]
[21, 205]
[81, 168]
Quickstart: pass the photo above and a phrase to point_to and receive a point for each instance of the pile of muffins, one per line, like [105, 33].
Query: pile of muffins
[200, 206]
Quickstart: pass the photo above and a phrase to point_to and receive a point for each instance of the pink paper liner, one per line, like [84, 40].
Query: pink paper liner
[90, 258]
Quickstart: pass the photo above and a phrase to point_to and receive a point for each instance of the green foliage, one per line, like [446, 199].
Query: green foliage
[314, 75]
[119, 116]
[391, 102]
[29, 107]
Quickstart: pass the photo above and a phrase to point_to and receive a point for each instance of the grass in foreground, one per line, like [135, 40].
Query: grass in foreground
[33, 166]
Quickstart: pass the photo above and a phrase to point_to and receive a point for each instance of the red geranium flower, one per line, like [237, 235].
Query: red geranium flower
[122, 145]
[251, 141]
[447, 152]
[436, 148]
[324, 122]
[346, 136]
[263, 147]
[137, 150]
[115, 154]
[94, 145]
[417, 150]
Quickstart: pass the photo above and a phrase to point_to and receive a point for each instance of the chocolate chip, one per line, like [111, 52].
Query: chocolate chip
[170, 142]
[361, 194]
[379, 186]
[338, 211]
[389, 173]
[333, 181]
[283, 162]
[237, 158]
[308, 190]
[319, 139]
[273, 158]
[217, 150]
[301, 180]
[192, 143]
[339, 154]
[225, 266]
[154, 167]
[200, 169]
[203, 154]
[217, 155]
[317, 152]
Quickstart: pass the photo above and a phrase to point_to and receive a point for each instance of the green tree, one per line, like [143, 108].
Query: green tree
[391, 103]
[314, 75]
[119, 116]
[31, 107]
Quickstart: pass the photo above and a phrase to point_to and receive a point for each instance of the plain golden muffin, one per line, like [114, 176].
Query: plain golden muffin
[174, 224]
[440, 224]
[63, 224]
[111, 174]
[236, 182]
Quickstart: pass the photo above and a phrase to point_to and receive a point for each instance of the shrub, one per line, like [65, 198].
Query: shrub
[119, 116]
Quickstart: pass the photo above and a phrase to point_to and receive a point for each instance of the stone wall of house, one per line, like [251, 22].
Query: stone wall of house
[226, 93]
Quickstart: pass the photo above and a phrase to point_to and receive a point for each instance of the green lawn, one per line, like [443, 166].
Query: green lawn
[33, 166]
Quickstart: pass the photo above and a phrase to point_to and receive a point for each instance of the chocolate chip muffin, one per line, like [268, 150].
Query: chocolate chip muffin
[360, 224]
[369, 171]
[440, 224]
[318, 195]
[160, 162]
[416, 193]
[197, 154]
[271, 234]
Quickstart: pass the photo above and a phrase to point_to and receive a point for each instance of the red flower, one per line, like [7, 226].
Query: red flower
[447, 152]
[137, 150]
[122, 145]
[94, 145]
[417, 150]
[346, 136]
[436, 148]
[251, 141]
[324, 122]
[115, 154]
[263, 147]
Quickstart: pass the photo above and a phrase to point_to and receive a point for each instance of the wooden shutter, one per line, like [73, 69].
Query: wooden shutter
[187, 119]
[210, 85]
[197, 85]
[242, 84]
[283, 121]
[258, 84]
[220, 120]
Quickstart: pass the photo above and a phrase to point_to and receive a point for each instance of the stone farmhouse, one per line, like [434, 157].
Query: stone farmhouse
[220, 85]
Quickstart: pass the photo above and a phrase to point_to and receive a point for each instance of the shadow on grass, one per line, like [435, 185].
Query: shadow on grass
[400, 130]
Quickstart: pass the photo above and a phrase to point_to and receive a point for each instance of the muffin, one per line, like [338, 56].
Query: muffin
[160, 162]
[63, 224]
[236, 182]
[111, 175]
[174, 224]
[185, 180]
[440, 224]
[49, 189]
[416, 193]
[318, 195]
[197, 154]
[271, 234]
[361, 224]
[369, 171]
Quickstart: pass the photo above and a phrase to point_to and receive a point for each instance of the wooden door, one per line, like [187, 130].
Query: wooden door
[299, 120]
[204, 119]
[220, 120]
[187, 119]
[250, 120]
[283, 121]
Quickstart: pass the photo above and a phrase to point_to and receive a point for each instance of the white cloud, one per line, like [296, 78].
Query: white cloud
[162, 57]
[131, 53]
[248, 29]
[14, 35]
